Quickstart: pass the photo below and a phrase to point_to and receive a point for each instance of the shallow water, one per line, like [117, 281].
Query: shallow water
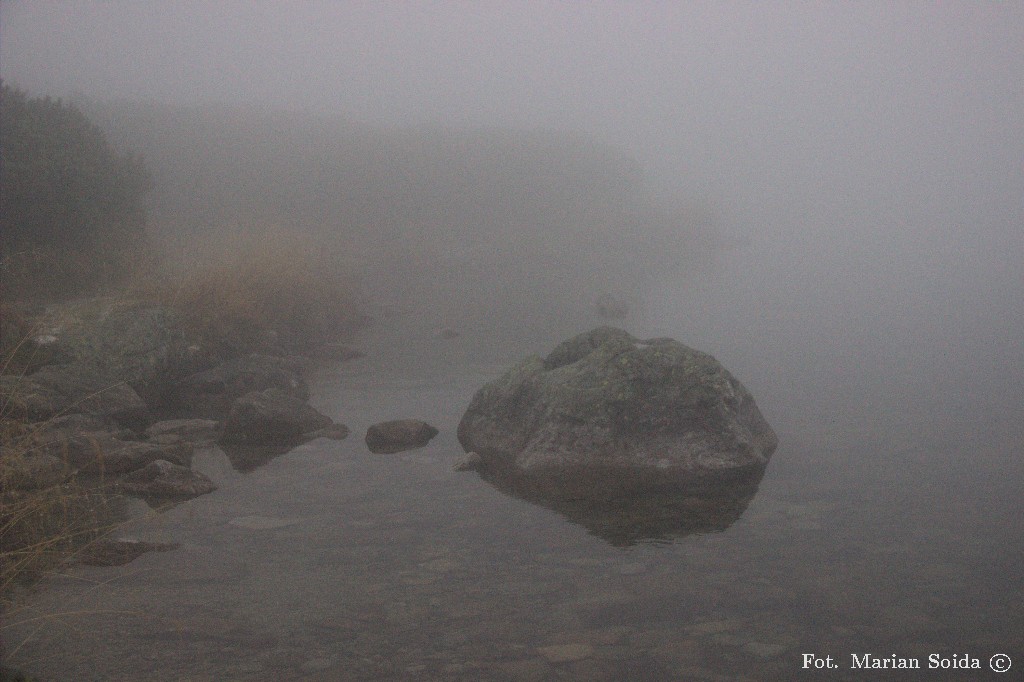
[331, 563]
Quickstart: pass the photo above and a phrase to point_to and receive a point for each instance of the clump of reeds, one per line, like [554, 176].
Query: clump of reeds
[40, 521]
[243, 284]
[40, 526]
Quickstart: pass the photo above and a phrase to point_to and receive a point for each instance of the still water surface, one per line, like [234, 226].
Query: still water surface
[866, 535]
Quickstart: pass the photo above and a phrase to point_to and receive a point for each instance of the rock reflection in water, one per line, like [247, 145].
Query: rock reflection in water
[660, 514]
[247, 458]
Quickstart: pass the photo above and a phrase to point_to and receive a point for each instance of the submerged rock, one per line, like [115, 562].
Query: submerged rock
[399, 435]
[607, 416]
[273, 417]
[164, 479]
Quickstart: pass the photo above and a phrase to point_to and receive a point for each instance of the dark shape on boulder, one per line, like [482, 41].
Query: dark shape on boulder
[213, 392]
[272, 417]
[399, 435]
[163, 479]
[607, 416]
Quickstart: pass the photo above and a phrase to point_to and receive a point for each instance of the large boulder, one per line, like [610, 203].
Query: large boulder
[273, 417]
[211, 393]
[606, 415]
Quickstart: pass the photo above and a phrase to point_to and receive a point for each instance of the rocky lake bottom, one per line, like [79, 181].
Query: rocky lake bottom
[332, 563]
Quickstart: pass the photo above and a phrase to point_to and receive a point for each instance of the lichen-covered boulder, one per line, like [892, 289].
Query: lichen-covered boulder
[606, 415]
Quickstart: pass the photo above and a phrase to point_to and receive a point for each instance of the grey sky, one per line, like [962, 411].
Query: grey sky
[868, 146]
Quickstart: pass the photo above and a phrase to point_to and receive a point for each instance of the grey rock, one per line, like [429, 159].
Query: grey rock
[29, 471]
[198, 431]
[115, 456]
[272, 417]
[606, 415]
[211, 393]
[57, 390]
[79, 440]
[166, 479]
[398, 435]
[136, 342]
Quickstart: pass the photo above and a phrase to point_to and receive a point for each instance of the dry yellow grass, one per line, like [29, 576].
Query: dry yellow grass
[259, 281]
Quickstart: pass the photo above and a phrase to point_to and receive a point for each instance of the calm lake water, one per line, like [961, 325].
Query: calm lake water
[875, 531]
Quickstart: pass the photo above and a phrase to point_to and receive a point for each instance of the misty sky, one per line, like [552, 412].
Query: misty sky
[871, 154]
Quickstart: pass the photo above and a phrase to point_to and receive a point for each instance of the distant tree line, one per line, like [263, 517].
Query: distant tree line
[71, 206]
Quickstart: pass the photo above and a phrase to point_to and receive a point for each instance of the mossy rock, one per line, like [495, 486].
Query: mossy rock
[606, 414]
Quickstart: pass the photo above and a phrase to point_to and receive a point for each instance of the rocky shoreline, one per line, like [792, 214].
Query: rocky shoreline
[123, 390]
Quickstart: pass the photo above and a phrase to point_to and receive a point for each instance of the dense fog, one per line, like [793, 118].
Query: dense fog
[829, 197]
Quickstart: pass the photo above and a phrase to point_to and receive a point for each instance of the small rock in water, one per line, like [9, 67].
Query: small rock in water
[566, 653]
[398, 435]
[164, 479]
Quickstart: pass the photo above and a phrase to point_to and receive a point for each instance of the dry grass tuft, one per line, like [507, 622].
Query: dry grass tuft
[245, 285]
[41, 526]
